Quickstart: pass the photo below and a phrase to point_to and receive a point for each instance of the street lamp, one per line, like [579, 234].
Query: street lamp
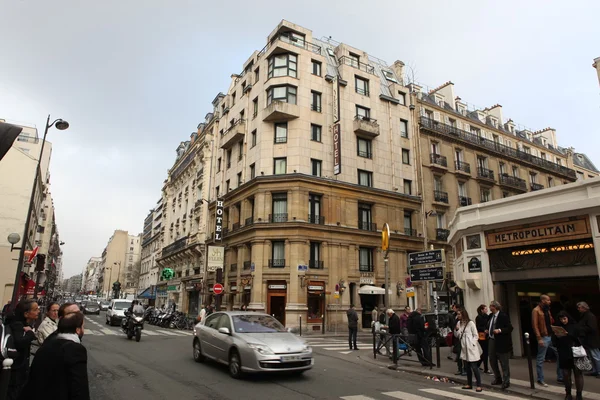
[13, 239]
[61, 125]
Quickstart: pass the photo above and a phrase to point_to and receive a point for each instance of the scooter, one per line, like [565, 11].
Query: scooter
[133, 326]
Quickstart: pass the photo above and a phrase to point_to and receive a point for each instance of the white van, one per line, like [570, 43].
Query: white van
[116, 311]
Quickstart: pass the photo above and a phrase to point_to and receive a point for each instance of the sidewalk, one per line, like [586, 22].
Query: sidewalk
[519, 372]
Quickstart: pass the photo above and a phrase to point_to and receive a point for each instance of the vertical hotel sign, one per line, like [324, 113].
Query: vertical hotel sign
[337, 131]
[219, 221]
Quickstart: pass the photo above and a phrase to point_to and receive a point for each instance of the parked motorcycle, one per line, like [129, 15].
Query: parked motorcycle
[132, 326]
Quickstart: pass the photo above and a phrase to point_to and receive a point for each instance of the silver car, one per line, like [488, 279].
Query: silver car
[250, 342]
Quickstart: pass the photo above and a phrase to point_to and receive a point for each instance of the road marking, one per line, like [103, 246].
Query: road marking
[108, 331]
[494, 394]
[405, 396]
[90, 332]
[555, 389]
[168, 333]
[448, 394]
[346, 352]
[360, 397]
[150, 333]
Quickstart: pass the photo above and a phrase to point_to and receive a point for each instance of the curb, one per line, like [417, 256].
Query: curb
[462, 380]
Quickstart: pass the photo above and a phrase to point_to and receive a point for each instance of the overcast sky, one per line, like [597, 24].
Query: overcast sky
[135, 77]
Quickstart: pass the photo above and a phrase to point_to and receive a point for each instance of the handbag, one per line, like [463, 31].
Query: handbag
[578, 352]
[583, 363]
[482, 336]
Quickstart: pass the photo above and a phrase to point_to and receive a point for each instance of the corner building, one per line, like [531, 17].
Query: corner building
[304, 211]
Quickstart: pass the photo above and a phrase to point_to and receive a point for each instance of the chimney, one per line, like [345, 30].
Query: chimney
[398, 68]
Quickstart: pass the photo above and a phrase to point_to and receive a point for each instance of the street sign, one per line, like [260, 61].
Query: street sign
[218, 288]
[427, 274]
[474, 265]
[410, 292]
[426, 257]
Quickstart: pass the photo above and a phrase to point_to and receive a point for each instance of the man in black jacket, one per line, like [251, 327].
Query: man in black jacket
[59, 369]
[500, 344]
[591, 341]
[352, 326]
[418, 335]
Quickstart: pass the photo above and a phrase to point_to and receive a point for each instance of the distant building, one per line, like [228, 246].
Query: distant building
[121, 252]
[90, 274]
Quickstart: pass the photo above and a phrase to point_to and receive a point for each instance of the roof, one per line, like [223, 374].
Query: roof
[583, 161]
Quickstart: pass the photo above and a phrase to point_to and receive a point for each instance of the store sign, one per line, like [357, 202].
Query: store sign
[316, 288]
[474, 265]
[219, 221]
[410, 292]
[247, 287]
[337, 149]
[172, 288]
[366, 281]
[277, 287]
[233, 288]
[216, 258]
[564, 229]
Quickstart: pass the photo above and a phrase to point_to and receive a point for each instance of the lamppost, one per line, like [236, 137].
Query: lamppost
[61, 125]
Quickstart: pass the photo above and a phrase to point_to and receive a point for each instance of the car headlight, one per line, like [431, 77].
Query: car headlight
[306, 348]
[261, 348]
[139, 319]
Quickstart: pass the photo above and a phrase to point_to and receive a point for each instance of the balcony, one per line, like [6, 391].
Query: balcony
[285, 43]
[497, 148]
[485, 174]
[233, 268]
[536, 186]
[277, 263]
[410, 232]
[365, 126]
[464, 201]
[513, 182]
[437, 160]
[462, 167]
[280, 111]
[315, 264]
[247, 265]
[442, 234]
[315, 107]
[369, 69]
[249, 221]
[367, 226]
[316, 219]
[235, 226]
[174, 247]
[282, 217]
[440, 197]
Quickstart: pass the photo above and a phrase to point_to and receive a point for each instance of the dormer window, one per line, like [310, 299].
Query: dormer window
[389, 76]
[494, 122]
[330, 52]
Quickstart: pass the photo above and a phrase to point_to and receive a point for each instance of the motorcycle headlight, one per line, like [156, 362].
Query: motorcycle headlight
[261, 348]
[139, 319]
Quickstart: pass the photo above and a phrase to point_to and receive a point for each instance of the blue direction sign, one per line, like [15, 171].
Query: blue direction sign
[427, 274]
[426, 257]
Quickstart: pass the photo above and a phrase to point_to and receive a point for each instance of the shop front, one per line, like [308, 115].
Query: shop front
[173, 295]
[514, 250]
[161, 295]
[193, 289]
[277, 299]
[315, 302]
[246, 290]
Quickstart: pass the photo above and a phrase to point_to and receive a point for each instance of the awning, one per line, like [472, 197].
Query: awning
[368, 289]
[149, 293]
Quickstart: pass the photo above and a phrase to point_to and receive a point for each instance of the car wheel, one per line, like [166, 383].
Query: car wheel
[235, 364]
[198, 357]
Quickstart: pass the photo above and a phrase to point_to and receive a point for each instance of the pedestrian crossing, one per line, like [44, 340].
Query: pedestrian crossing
[97, 329]
[337, 344]
[453, 392]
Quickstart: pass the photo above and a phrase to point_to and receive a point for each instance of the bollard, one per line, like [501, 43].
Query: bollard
[529, 364]
[395, 349]
[437, 352]
[5, 378]
[374, 346]
[323, 324]
[301, 325]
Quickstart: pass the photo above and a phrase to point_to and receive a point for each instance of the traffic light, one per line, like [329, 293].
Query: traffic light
[117, 286]
[40, 262]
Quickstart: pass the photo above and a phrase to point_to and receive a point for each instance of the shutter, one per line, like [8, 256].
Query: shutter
[436, 116]
[459, 124]
[447, 120]
[422, 111]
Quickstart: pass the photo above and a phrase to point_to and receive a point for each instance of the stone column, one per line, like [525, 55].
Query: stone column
[260, 257]
[296, 253]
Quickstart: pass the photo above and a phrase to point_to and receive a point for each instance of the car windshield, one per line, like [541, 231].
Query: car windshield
[105, 303]
[121, 305]
[91, 304]
[249, 323]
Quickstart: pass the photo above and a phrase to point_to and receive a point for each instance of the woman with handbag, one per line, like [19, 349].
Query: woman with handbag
[470, 350]
[566, 340]
[482, 321]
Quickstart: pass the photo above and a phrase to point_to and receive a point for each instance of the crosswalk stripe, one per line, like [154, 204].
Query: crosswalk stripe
[451, 395]
[360, 397]
[90, 332]
[555, 389]
[405, 396]
[150, 333]
[336, 348]
[168, 333]
[494, 394]
[108, 331]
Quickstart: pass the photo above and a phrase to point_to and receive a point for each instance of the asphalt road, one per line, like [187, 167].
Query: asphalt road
[161, 366]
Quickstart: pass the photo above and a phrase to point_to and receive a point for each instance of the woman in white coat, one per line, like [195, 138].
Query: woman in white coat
[471, 351]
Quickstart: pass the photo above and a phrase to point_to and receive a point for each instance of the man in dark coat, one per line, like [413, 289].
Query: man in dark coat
[418, 335]
[500, 344]
[59, 369]
[591, 341]
[352, 326]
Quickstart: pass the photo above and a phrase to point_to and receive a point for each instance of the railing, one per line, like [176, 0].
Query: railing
[485, 173]
[235, 226]
[315, 107]
[513, 181]
[438, 159]
[410, 232]
[249, 221]
[233, 267]
[362, 92]
[281, 217]
[463, 166]
[247, 265]
[442, 234]
[316, 219]
[175, 246]
[367, 226]
[454, 132]
[281, 139]
[369, 69]
[284, 37]
[315, 264]
[198, 203]
[277, 263]
[365, 154]
[464, 201]
[441, 197]
[536, 186]
[366, 119]
[365, 267]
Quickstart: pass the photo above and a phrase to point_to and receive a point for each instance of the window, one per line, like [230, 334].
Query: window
[280, 166]
[239, 179]
[580, 176]
[361, 85]
[252, 171]
[315, 104]
[435, 148]
[462, 189]
[219, 164]
[532, 178]
[255, 107]
[402, 98]
[278, 254]
[279, 207]
[256, 75]
[389, 75]
[550, 181]
[283, 65]
[438, 184]
[354, 60]
[406, 156]
[131, 248]
[233, 95]
[365, 178]
[229, 158]
[217, 191]
[364, 148]
[502, 168]
[281, 132]
[515, 171]
[315, 132]
[316, 68]
[287, 94]
[364, 216]
[407, 186]
[314, 208]
[253, 138]
[441, 220]
[240, 150]
[363, 112]
[365, 259]
[316, 167]
[227, 188]
[482, 163]
[404, 128]
[315, 254]
[407, 220]
[486, 195]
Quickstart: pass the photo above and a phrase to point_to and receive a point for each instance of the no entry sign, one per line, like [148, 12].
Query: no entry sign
[218, 288]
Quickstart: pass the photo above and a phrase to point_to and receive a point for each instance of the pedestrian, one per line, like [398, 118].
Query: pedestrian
[21, 325]
[352, 326]
[374, 315]
[542, 321]
[564, 342]
[471, 351]
[404, 321]
[481, 322]
[64, 310]
[202, 314]
[418, 335]
[591, 338]
[59, 370]
[500, 344]
[49, 324]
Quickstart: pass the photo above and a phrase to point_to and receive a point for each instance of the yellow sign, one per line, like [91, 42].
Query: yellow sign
[385, 237]
[336, 296]
[410, 294]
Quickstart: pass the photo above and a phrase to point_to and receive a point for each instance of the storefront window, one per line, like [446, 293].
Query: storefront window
[315, 307]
